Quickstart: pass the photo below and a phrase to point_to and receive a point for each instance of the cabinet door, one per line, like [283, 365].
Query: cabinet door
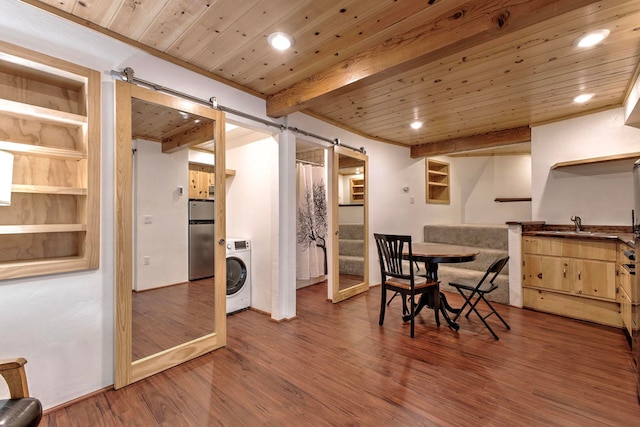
[594, 278]
[193, 182]
[203, 182]
[201, 177]
[625, 311]
[547, 272]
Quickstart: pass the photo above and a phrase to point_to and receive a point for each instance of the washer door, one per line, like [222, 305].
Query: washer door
[236, 274]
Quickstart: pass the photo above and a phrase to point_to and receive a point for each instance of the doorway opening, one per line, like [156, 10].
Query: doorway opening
[312, 232]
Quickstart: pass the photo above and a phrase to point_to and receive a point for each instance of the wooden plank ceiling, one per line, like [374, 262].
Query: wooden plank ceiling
[477, 73]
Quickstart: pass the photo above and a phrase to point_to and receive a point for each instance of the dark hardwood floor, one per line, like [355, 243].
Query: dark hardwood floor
[165, 317]
[349, 280]
[334, 365]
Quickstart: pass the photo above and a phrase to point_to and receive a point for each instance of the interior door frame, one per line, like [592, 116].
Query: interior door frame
[338, 295]
[128, 371]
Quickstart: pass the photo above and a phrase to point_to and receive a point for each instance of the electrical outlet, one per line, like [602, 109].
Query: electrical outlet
[148, 219]
[412, 200]
[146, 260]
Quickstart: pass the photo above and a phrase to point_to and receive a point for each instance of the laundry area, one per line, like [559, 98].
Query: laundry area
[175, 214]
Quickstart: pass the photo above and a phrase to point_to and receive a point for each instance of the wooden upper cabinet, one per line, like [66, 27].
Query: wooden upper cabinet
[201, 181]
[50, 121]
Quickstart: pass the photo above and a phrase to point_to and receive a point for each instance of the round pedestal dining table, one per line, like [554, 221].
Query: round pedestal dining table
[433, 254]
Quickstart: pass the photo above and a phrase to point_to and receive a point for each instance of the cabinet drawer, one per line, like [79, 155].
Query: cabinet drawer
[572, 248]
[542, 246]
[589, 249]
[622, 248]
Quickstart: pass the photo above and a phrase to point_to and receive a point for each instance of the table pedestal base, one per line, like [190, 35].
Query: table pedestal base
[438, 300]
[443, 307]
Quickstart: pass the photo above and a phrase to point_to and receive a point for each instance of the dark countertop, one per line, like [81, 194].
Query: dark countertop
[590, 232]
[628, 238]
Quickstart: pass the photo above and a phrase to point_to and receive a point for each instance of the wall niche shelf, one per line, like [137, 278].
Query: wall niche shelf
[357, 190]
[50, 121]
[437, 181]
[623, 160]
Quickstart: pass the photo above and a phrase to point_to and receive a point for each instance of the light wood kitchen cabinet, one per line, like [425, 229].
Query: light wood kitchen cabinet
[628, 291]
[626, 311]
[50, 121]
[571, 277]
[571, 265]
[593, 278]
[201, 181]
[547, 272]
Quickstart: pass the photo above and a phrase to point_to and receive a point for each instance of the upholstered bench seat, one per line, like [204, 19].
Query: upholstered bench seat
[491, 242]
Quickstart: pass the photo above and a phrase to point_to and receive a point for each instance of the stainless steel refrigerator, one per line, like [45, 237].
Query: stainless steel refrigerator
[201, 238]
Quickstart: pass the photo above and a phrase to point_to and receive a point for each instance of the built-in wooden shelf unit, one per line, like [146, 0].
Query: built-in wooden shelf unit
[437, 181]
[50, 121]
[357, 190]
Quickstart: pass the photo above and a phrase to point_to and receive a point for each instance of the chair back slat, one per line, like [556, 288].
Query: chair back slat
[391, 253]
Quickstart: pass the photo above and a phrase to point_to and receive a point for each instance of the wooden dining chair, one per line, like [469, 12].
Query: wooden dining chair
[20, 410]
[397, 274]
[470, 290]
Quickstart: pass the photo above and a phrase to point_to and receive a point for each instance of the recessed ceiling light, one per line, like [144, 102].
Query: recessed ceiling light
[416, 125]
[581, 99]
[280, 41]
[592, 38]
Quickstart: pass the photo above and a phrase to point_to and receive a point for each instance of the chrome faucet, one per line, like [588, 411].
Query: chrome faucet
[577, 221]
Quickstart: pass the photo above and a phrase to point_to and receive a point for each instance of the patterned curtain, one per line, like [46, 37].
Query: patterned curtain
[311, 222]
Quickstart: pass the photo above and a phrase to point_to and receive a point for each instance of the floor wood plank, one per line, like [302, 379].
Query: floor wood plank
[334, 365]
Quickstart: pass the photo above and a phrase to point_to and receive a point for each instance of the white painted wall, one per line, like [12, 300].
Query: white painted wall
[600, 195]
[480, 180]
[252, 197]
[157, 176]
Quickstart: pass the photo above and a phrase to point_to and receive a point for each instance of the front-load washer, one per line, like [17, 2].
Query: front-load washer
[238, 275]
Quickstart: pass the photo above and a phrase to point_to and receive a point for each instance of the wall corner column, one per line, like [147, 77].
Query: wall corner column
[515, 264]
[283, 296]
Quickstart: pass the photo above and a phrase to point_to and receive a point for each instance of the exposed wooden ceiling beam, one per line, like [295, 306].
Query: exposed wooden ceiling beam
[465, 25]
[475, 142]
[194, 136]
